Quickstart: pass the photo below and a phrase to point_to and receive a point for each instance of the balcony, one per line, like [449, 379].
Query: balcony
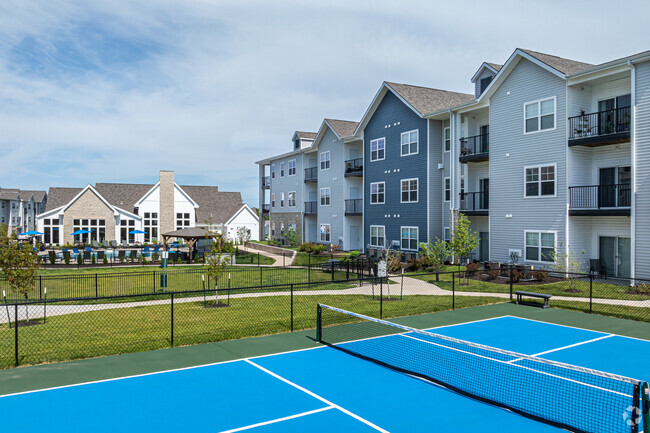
[601, 128]
[604, 200]
[311, 207]
[354, 207]
[311, 174]
[266, 182]
[475, 149]
[266, 208]
[475, 203]
[354, 167]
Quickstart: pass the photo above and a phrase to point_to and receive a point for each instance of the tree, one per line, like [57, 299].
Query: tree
[293, 237]
[19, 264]
[433, 255]
[463, 239]
[243, 235]
[568, 264]
[218, 257]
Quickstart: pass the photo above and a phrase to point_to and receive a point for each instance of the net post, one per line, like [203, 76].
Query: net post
[591, 292]
[172, 320]
[319, 324]
[291, 307]
[453, 290]
[16, 331]
[511, 269]
[645, 407]
[381, 297]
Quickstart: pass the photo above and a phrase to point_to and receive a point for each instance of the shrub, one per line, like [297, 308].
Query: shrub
[540, 276]
[472, 267]
[517, 276]
[236, 250]
[105, 260]
[52, 259]
[493, 274]
[415, 264]
[93, 260]
[66, 259]
[354, 254]
[393, 261]
[311, 247]
[154, 257]
[80, 259]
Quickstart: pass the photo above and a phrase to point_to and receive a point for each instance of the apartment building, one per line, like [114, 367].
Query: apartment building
[18, 208]
[548, 158]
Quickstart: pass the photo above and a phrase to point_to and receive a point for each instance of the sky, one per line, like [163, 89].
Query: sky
[116, 90]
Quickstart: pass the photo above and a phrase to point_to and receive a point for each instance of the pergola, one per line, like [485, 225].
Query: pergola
[191, 235]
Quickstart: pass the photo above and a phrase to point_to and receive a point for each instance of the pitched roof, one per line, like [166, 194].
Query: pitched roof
[216, 205]
[426, 100]
[38, 195]
[496, 66]
[306, 135]
[123, 195]
[566, 66]
[58, 197]
[343, 128]
[9, 194]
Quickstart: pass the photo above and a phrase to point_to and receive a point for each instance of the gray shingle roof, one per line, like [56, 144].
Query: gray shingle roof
[9, 194]
[566, 66]
[307, 135]
[38, 195]
[219, 206]
[426, 100]
[495, 66]
[343, 128]
[58, 197]
[123, 195]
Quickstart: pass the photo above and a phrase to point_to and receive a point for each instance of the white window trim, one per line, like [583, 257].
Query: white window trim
[295, 167]
[281, 199]
[444, 232]
[370, 236]
[410, 228]
[417, 143]
[540, 245]
[320, 234]
[320, 201]
[444, 189]
[378, 159]
[282, 167]
[417, 191]
[272, 171]
[273, 200]
[539, 115]
[289, 200]
[320, 161]
[539, 181]
[444, 139]
[377, 183]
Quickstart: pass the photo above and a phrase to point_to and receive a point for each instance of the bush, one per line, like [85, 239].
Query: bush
[154, 257]
[66, 259]
[415, 264]
[354, 254]
[93, 260]
[105, 260]
[517, 276]
[393, 261]
[472, 267]
[313, 248]
[493, 274]
[540, 276]
[52, 259]
[80, 259]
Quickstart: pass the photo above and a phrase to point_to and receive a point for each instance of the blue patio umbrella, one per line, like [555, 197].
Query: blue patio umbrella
[80, 232]
[31, 233]
[136, 232]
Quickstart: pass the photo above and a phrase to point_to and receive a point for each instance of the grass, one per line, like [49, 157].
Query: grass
[124, 330]
[251, 258]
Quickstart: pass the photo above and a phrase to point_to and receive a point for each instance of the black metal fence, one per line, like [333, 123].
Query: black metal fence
[605, 122]
[475, 145]
[600, 196]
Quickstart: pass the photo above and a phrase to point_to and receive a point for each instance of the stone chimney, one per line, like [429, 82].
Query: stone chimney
[166, 201]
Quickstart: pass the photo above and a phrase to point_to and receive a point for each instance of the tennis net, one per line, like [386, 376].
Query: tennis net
[567, 396]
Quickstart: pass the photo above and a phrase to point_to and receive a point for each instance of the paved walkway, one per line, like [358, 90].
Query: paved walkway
[279, 259]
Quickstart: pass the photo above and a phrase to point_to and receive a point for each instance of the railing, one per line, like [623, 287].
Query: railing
[600, 196]
[474, 201]
[600, 123]
[266, 182]
[311, 173]
[354, 206]
[354, 166]
[311, 207]
[266, 208]
[475, 145]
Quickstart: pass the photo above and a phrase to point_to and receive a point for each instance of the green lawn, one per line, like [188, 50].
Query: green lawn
[251, 258]
[124, 330]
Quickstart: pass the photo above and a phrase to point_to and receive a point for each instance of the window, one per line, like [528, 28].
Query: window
[292, 199]
[281, 199]
[446, 234]
[539, 115]
[410, 238]
[540, 246]
[325, 194]
[325, 160]
[182, 220]
[484, 83]
[410, 142]
[324, 232]
[296, 144]
[151, 225]
[447, 138]
[409, 191]
[292, 167]
[377, 236]
[97, 229]
[282, 169]
[540, 181]
[378, 149]
[272, 171]
[273, 200]
[377, 192]
[447, 189]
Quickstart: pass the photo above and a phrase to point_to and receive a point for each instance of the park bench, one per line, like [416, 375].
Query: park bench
[543, 296]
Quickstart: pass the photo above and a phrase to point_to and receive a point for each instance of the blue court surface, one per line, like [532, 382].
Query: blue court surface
[316, 390]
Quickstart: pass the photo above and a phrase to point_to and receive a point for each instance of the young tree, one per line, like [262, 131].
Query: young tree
[293, 237]
[433, 255]
[243, 235]
[19, 264]
[567, 263]
[218, 257]
[463, 239]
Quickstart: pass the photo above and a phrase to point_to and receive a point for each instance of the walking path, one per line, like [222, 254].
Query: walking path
[410, 286]
[279, 259]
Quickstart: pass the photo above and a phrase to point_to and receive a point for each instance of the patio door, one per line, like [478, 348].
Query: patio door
[607, 188]
[615, 255]
[485, 130]
[484, 246]
[484, 188]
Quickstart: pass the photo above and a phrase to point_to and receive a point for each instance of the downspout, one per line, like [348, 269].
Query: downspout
[634, 183]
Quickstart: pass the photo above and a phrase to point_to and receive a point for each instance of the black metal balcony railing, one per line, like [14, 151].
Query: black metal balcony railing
[266, 182]
[354, 167]
[266, 208]
[478, 145]
[311, 174]
[600, 196]
[311, 207]
[600, 123]
[354, 206]
[474, 201]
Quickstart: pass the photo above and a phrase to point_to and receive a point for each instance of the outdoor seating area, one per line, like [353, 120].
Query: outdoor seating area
[113, 254]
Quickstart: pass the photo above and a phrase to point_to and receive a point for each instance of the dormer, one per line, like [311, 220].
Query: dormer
[302, 139]
[483, 77]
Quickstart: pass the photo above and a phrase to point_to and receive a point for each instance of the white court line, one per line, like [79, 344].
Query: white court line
[521, 366]
[566, 347]
[324, 400]
[273, 421]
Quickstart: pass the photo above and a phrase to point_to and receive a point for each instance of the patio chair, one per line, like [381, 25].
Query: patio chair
[145, 251]
[134, 254]
[88, 255]
[596, 266]
[75, 251]
[156, 249]
[100, 255]
[113, 244]
[95, 244]
[121, 255]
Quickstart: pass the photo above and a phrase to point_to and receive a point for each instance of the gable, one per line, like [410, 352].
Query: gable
[89, 202]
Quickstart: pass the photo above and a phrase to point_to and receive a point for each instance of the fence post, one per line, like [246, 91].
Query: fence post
[291, 307]
[153, 281]
[258, 259]
[318, 323]
[591, 291]
[401, 288]
[347, 271]
[261, 280]
[511, 267]
[40, 287]
[332, 269]
[381, 297]
[453, 290]
[96, 291]
[309, 267]
[15, 332]
[172, 320]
